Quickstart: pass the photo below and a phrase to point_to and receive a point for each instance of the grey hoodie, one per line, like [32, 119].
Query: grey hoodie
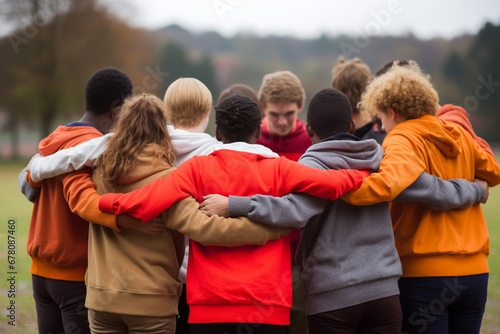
[346, 254]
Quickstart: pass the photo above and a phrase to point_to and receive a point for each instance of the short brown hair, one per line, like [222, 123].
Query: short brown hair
[351, 78]
[187, 101]
[282, 86]
[405, 89]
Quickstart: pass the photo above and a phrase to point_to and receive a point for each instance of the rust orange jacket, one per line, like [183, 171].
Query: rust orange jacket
[432, 243]
[57, 238]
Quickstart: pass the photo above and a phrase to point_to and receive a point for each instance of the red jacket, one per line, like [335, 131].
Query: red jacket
[248, 284]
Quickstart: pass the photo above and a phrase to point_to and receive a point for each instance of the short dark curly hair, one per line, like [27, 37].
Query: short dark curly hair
[106, 89]
[237, 118]
[329, 113]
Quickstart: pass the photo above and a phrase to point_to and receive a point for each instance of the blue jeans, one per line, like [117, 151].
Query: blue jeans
[443, 304]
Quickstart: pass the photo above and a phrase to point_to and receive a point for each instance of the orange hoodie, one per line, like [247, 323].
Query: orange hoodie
[57, 238]
[432, 243]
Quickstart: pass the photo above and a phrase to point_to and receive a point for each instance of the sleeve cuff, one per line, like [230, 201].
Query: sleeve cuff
[106, 202]
[31, 182]
[238, 206]
[480, 192]
[33, 175]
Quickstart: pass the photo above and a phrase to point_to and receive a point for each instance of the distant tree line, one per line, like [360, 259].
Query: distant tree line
[58, 44]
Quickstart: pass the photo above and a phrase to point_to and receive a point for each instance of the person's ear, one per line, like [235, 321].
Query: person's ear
[208, 112]
[309, 130]
[352, 128]
[392, 114]
[257, 132]
[217, 134]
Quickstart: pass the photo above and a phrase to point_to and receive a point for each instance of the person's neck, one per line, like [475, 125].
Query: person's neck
[200, 128]
[361, 120]
[101, 122]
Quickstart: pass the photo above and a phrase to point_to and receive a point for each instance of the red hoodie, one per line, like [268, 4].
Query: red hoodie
[248, 284]
[292, 146]
[57, 239]
[458, 115]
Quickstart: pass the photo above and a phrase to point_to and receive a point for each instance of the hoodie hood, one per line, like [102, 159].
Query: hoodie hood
[344, 154]
[249, 148]
[455, 114]
[58, 139]
[188, 144]
[146, 164]
[444, 135]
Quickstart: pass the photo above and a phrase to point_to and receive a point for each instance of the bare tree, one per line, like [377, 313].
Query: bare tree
[56, 46]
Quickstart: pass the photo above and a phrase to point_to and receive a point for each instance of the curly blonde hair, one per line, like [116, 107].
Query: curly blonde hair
[406, 89]
[142, 120]
[351, 78]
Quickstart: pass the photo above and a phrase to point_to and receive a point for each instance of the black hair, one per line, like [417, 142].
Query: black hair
[237, 118]
[386, 67]
[329, 113]
[239, 89]
[106, 89]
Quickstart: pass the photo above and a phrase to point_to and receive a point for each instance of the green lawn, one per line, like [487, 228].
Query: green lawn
[14, 207]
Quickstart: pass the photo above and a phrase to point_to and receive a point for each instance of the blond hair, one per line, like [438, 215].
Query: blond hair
[351, 78]
[282, 86]
[405, 89]
[187, 101]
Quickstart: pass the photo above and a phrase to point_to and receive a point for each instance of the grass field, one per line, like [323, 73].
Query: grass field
[16, 211]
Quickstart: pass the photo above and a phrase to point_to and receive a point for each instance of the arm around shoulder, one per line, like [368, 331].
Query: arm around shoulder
[328, 184]
[70, 159]
[29, 191]
[292, 210]
[83, 199]
[439, 195]
[185, 217]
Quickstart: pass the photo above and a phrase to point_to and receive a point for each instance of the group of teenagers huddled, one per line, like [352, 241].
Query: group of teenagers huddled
[365, 219]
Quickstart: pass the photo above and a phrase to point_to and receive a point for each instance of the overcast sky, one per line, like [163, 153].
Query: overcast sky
[305, 19]
[310, 18]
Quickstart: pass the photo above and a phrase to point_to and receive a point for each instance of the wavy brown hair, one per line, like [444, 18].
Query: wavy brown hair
[351, 78]
[142, 121]
[281, 86]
